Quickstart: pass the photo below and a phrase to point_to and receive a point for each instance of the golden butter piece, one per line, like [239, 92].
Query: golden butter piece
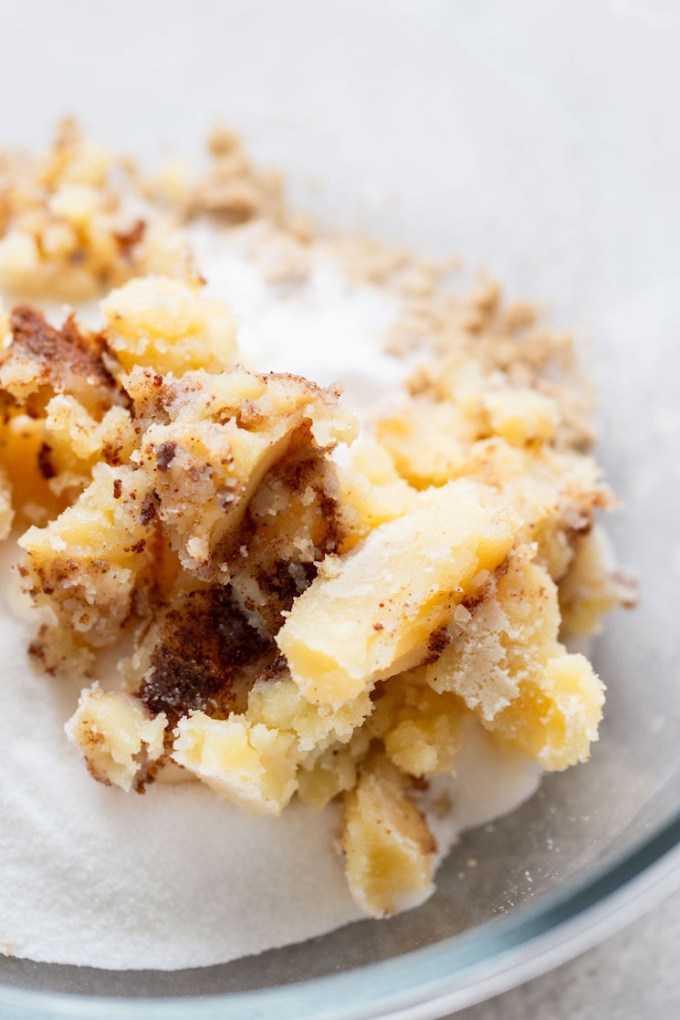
[508, 667]
[168, 325]
[119, 739]
[389, 849]
[248, 764]
[86, 564]
[371, 614]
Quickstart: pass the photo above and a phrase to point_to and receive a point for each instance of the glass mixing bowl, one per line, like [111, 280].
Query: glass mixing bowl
[539, 140]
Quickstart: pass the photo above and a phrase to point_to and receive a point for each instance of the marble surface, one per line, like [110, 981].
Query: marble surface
[632, 975]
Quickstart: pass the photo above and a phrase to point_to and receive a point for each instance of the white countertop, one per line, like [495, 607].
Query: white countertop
[631, 976]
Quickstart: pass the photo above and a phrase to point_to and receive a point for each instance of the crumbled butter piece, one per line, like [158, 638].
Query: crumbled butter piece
[71, 225]
[75, 441]
[221, 436]
[280, 705]
[522, 415]
[374, 617]
[120, 740]
[246, 763]
[388, 847]
[428, 442]
[169, 326]
[508, 667]
[418, 727]
[87, 563]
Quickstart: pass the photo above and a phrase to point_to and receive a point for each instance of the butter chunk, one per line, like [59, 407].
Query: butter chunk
[76, 441]
[252, 759]
[218, 438]
[120, 740]
[322, 777]
[371, 614]
[427, 441]
[388, 846]
[21, 442]
[554, 491]
[372, 491]
[168, 325]
[248, 764]
[87, 563]
[509, 668]
[521, 415]
[418, 727]
[280, 705]
[557, 719]
[69, 227]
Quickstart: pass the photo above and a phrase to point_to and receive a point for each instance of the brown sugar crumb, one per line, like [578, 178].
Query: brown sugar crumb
[437, 642]
[127, 239]
[37, 650]
[277, 670]
[149, 507]
[165, 454]
[204, 648]
[45, 465]
[64, 360]
[456, 327]
[233, 188]
[291, 524]
[370, 261]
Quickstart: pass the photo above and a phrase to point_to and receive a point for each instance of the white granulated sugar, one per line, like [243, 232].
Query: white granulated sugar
[177, 878]
[326, 327]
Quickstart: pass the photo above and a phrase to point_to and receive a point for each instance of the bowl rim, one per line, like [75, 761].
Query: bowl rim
[425, 983]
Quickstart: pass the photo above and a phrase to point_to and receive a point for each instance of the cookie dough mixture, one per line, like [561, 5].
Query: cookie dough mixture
[294, 529]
